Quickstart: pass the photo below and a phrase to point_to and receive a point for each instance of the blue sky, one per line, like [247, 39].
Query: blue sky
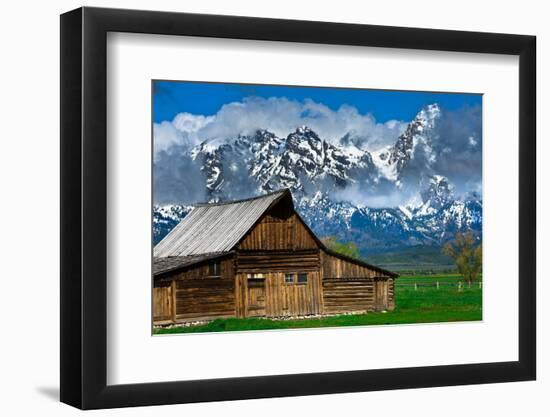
[173, 97]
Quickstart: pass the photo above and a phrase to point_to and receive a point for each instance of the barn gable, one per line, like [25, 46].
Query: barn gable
[280, 228]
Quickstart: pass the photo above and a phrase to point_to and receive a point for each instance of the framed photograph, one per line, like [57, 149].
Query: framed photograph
[257, 208]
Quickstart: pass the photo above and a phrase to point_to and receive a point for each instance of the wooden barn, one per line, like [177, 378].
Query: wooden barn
[258, 258]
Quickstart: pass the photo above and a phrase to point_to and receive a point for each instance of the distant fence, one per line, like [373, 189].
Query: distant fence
[403, 269]
[460, 285]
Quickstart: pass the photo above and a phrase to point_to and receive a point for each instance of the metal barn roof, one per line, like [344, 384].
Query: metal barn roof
[215, 228]
[172, 263]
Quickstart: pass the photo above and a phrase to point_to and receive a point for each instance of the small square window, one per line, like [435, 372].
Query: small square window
[289, 278]
[302, 278]
[214, 269]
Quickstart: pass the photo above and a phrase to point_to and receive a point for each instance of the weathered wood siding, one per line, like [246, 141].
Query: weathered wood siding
[204, 298]
[334, 267]
[381, 291]
[277, 261]
[281, 299]
[275, 232]
[162, 302]
[201, 271]
[348, 286]
[195, 294]
[341, 295]
[391, 294]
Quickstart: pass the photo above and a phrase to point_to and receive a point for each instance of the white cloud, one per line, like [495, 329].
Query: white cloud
[166, 135]
[362, 196]
[182, 131]
[281, 116]
[187, 122]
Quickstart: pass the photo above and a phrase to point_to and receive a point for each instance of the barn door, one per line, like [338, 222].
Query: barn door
[256, 297]
[381, 295]
[163, 303]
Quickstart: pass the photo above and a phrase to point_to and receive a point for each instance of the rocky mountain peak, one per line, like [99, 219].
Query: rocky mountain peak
[304, 130]
[437, 191]
[304, 140]
[416, 134]
[428, 116]
[263, 135]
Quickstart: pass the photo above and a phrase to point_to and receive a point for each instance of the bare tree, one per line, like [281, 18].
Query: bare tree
[467, 255]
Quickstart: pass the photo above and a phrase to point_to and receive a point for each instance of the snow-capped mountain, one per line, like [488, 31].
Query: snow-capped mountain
[393, 160]
[166, 217]
[302, 162]
[320, 172]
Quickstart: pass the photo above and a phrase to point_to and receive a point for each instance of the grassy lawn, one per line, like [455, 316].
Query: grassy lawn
[426, 304]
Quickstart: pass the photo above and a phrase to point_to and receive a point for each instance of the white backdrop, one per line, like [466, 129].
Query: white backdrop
[29, 169]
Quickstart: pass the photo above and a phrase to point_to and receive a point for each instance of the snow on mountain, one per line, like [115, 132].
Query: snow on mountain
[392, 160]
[317, 171]
[442, 215]
[166, 217]
[302, 161]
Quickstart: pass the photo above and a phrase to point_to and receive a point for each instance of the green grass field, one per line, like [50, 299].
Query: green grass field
[426, 304]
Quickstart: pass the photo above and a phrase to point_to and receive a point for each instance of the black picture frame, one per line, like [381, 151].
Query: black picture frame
[84, 207]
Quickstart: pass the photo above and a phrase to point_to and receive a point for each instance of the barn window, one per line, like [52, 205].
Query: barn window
[289, 278]
[302, 278]
[214, 269]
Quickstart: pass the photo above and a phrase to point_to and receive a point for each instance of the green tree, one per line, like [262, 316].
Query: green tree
[467, 255]
[348, 249]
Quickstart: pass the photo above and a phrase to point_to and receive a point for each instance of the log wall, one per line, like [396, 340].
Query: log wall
[349, 286]
[334, 267]
[342, 295]
[195, 294]
[277, 261]
[204, 298]
[202, 271]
